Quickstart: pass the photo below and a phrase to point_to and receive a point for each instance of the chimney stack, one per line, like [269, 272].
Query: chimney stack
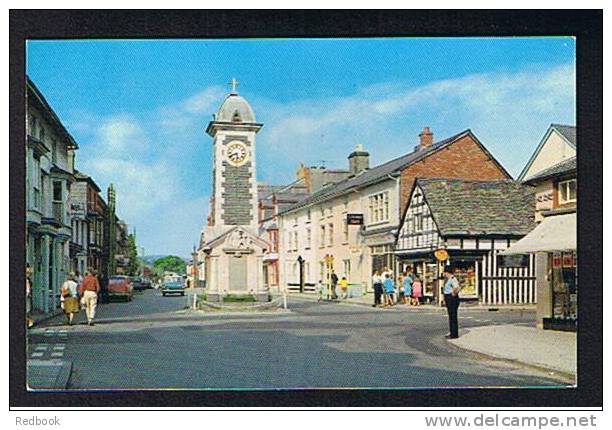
[426, 138]
[359, 160]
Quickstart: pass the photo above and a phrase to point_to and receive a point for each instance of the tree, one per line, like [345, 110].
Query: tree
[170, 263]
[132, 253]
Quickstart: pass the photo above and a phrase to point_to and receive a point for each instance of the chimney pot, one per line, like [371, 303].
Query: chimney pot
[426, 138]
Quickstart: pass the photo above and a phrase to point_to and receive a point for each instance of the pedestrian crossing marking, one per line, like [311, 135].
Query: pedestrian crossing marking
[37, 354]
[59, 347]
[57, 354]
[41, 348]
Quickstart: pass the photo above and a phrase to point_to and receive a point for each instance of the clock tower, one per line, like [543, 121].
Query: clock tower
[231, 242]
[233, 129]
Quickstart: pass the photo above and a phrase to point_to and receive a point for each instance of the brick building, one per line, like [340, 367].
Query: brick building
[315, 231]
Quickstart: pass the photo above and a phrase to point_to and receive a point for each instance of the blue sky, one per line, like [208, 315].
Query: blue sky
[138, 109]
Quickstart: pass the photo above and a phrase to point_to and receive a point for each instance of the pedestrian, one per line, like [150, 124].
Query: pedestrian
[89, 295]
[320, 288]
[451, 299]
[70, 298]
[408, 288]
[377, 284]
[417, 291]
[28, 296]
[401, 298]
[344, 287]
[389, 289]
[334, 285]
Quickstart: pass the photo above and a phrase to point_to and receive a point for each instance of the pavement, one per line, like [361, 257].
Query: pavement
[153, 342]
[547, 349]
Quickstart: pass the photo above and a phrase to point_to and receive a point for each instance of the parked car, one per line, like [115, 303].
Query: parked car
[120, 287]
[173, 287]
[138, 283]
[146, 282]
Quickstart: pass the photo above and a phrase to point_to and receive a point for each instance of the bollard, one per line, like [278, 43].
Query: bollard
[285, 301]
[195, 299]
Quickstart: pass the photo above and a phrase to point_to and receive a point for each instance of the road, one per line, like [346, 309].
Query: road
[153, 342]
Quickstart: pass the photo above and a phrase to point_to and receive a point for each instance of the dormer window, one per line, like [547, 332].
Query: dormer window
[567, 191]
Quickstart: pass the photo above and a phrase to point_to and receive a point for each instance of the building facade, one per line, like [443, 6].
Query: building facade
[316, 236]
[49, 176]
[89, 212]
[462, 226]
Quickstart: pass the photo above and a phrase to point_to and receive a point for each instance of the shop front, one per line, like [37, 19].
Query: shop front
[553, 242]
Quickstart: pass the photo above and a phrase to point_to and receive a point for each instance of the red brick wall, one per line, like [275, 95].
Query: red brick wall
[462, 159]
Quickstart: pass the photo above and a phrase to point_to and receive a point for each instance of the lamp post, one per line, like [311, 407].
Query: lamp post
[300, 261]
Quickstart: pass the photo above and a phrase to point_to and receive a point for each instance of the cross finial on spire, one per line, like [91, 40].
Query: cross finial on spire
[234, 83]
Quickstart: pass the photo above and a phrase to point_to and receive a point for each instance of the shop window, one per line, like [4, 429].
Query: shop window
[567, 191]
[347, 268]
[564, 285]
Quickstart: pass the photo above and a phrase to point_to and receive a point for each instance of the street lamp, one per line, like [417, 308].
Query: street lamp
[300, 261]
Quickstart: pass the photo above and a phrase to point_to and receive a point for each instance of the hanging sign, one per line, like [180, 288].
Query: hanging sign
[556, 260]
[354, 219]
[441, 254]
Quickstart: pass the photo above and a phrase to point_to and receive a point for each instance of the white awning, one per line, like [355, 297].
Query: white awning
[554, 233]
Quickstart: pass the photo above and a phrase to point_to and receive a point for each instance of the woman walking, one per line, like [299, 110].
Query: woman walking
[70, 298]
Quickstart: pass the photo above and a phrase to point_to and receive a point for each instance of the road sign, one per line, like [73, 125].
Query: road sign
[354, 219]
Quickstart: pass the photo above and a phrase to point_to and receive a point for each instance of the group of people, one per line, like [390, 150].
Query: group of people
[408, 289]
[79, 292]
[75, 293]
[330, 290]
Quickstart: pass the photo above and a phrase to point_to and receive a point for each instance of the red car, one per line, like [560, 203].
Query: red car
[120, 287]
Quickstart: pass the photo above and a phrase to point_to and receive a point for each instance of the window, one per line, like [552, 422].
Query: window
[345, 231]
[347, 268]
[322, 237]
[57, 191]
[418, 222]
[379, 207]
[567, 191]
[295, 241]
[41, 135]
[33, 126]
[308, 238]
[53, 151]
[308, 216]
[331, 235]
[36, 184]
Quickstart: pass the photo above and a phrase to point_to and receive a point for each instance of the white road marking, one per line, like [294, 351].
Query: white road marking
[59, 347]
[37, 354]
[57, 354]
[41, 348]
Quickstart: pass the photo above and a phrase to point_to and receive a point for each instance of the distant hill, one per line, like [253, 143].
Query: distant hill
[150, 259]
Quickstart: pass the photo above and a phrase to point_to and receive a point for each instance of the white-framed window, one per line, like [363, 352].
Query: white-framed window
[36, 183]
[295, 241]
[418, 222]
[331, 235]
[322, 236]
[308, 238]
[347, 268]
[378, 207]
[567, 191]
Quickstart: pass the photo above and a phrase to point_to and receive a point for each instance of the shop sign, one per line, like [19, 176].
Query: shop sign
[354, 219]
[556, 260]
[441, 254]
[568, 259]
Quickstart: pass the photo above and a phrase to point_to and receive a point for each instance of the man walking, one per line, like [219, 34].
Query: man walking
[89, 293]
[451, 299]
[334, 285]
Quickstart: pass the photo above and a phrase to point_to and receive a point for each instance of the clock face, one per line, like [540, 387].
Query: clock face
[237, 153]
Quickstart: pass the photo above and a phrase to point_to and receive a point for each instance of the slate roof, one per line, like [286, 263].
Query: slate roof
[465, 207]
[559, 169]
[378, 173]
[568, 131]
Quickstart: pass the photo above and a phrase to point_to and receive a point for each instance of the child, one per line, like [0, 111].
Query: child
[389, 289]
[320, 289]
[417, 291]
[344, 287]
